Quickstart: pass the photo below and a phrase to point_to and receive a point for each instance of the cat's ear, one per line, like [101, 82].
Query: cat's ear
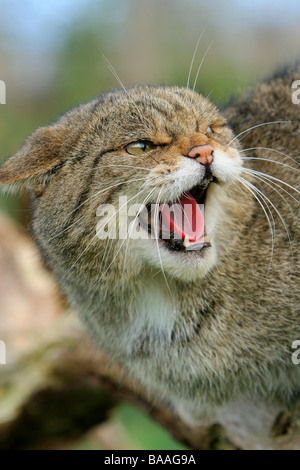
[40, 153]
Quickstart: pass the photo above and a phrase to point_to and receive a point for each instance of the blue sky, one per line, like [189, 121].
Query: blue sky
[37, 22]
[40, 23]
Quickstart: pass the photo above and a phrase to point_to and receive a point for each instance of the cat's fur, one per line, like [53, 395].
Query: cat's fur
[211, 327]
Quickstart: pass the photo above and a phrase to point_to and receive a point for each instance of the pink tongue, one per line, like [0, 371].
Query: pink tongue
[184, 219]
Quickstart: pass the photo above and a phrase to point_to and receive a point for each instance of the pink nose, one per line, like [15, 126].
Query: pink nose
[204, 154]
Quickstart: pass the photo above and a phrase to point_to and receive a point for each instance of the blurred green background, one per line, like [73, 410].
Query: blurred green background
[51, 58]
[51, 52]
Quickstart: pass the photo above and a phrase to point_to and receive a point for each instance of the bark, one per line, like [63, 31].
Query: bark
[56, 385]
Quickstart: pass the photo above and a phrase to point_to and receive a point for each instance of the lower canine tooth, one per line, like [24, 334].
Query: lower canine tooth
[186, 242]
[206, 239]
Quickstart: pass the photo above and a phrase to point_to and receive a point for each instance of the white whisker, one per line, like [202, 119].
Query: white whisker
[245, 183]
[270, 182]
[92, 197]
[281, 218]
[276, 210]
[259, 178]
[193, 58]
[114, 258]
[207, 96]
[272, 150]
[107, 188]
[111, 68]
[201, 63]
[67, 228]
[95, 236]
[272, 178]
[157, 245]
[126, 166]
[255, 127]
[270, 160]
[106, 251]
[128, 234]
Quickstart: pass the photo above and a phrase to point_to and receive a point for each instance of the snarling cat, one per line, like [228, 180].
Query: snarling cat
[207, 313]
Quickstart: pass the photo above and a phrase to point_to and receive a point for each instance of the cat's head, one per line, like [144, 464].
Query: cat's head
[128, 153]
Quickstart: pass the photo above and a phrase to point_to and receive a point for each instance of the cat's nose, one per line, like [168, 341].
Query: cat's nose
[204, 154]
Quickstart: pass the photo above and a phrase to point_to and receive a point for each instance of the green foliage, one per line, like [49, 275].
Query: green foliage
[137, 431]
[145, 432]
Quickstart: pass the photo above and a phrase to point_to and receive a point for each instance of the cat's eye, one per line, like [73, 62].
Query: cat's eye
[209, 130]
[140, 147]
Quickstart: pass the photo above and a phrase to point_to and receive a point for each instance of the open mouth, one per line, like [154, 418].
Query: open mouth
[179, 224]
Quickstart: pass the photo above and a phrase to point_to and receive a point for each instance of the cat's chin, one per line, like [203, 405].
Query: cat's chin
[186, 265]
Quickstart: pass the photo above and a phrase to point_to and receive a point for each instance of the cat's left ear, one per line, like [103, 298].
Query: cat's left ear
[40, 153]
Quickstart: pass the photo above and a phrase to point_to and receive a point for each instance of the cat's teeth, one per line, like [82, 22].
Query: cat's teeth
[186, 242]
[150, 220]
[205, 239]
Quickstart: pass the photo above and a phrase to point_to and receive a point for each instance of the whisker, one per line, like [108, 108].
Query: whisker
[67, 228]
[188, 196]
[106, 189]
[270, 182]
[111, 68]
[209, 93]
[207, 50]
[193, 58]
[245, 184]
[101, 277]
[272, 177]
[107, 250]
[91, 197]
[270, 160]
[157, 245]
[126, 166]
[255, 127]
[277, 211]
[123, 205]
[282, 221]
[147, 155]
[128, 234]
[272, 150]
[266, 201]
[259, 178]
[95, 236]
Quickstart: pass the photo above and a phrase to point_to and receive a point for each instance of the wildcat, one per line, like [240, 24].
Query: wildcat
[198, 324]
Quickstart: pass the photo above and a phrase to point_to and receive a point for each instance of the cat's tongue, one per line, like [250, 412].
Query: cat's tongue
[184, 218]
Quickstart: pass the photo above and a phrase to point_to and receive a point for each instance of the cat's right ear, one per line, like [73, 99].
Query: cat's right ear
[41, 152]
